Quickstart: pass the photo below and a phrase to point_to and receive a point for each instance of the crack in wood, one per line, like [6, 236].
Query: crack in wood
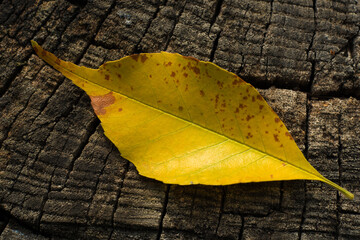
[136, 48]
[215, 45]
[306, 154]
[117, 199]
[95, 189]
[312, 75]
[174, 25]
[242, 228]
[267, 25]
[303, 214]
[222, 204]
[44, 200]
[163, 212]
[314, 32]
[79, 150]
[217, 11]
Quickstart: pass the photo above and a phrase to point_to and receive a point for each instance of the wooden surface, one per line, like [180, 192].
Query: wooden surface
[61, 178]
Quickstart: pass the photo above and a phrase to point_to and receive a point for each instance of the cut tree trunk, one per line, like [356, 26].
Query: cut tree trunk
[60, 177]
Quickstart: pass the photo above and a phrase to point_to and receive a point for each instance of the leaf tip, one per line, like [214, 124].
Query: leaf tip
[340, 189]
[35, 45]
[348, 194]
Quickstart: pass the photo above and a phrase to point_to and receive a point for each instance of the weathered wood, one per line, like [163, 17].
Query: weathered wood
[61, 177]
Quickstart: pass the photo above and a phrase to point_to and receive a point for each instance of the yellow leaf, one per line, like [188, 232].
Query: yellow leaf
[185, 121]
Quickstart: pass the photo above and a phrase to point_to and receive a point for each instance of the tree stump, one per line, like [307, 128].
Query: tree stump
[60, 177]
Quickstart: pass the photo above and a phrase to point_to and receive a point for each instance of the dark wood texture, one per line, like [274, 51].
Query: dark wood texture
[61, 178]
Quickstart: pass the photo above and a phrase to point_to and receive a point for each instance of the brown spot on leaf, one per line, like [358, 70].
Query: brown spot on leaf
[99, 103]
[143, 58]
[284, 164]
[245, 98]
[277, 120]
[242, 106]
[202, 93]
[168, 64]
[253, 98]
[191, 58]
[266, 132]
[120, 109]
[220, 84]
[259, 97]
[172, 74]
[43, 53]
[57, 61]
[276, 137]
[196, 70]
[150, 76]
[236, 110]
[107, 77]
[288, 135]
[207, 73]
[36, 49]
[261, 107]
[181, 108]
[186, 75]
[248, 118]
[186, 87]
[135, 57]
[249, 135]
[118, 75]
[236, 82]
[271, 176]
